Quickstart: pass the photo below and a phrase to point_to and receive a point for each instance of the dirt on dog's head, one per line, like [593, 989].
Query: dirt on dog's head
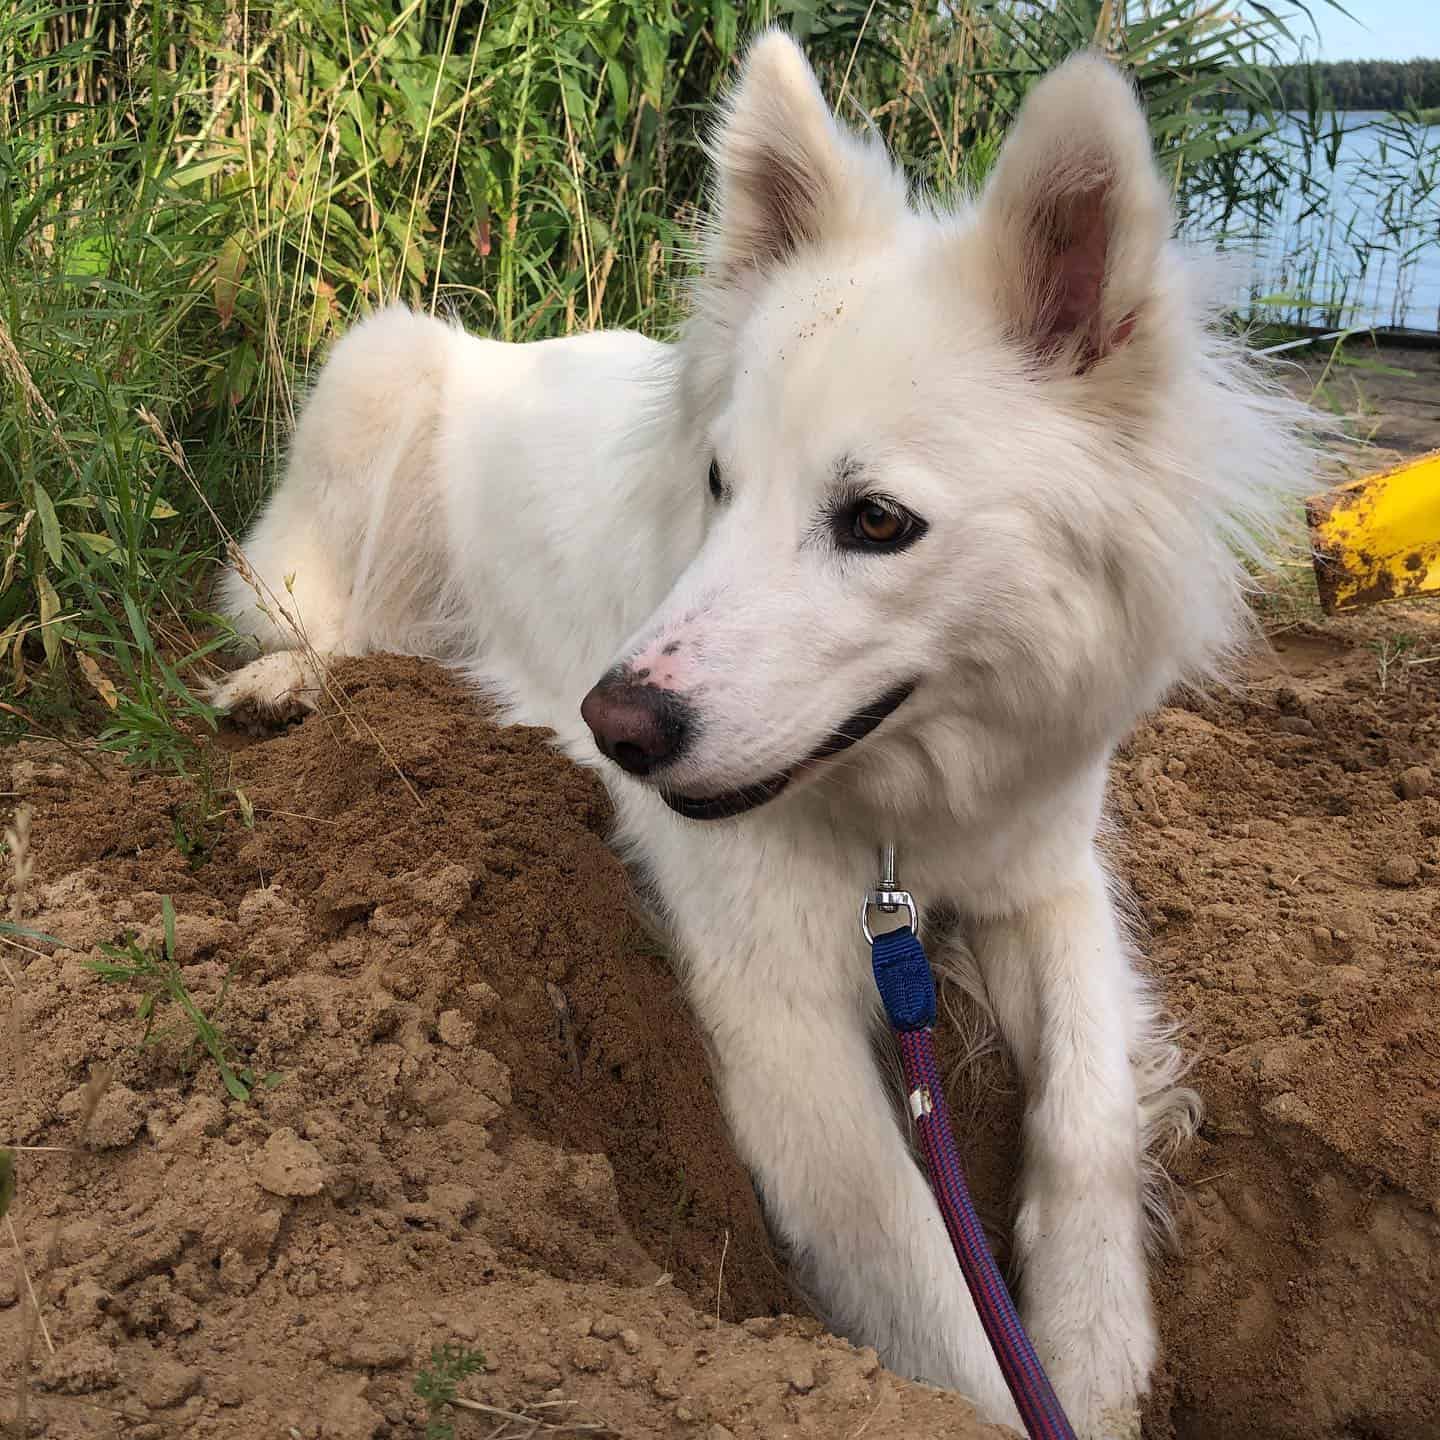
[978, 473]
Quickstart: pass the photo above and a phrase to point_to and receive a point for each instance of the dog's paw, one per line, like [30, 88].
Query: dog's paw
[1098, 1379]
[1087, 1309]
[1099, 1386]
[269, 693]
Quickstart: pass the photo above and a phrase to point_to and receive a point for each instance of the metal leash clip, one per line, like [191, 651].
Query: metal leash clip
[887, 897]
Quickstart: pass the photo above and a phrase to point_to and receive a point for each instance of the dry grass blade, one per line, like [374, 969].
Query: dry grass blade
[720, 1278]
[275, 607]
[17, 845]
[535, 1423]
[78, 751]
[29, 1284]
[14, 363]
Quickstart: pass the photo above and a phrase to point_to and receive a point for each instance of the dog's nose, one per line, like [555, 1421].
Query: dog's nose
[639, 727]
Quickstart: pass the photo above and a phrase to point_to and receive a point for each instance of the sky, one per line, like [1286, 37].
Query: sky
[1380, 30]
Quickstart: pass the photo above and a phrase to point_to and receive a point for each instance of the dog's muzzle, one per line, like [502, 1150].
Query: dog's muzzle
[748, 797]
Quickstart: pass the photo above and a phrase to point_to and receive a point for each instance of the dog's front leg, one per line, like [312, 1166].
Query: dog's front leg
[1067, 1002]
[812, 1120]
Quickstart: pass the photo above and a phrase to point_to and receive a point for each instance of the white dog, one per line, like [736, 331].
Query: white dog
[955, 494]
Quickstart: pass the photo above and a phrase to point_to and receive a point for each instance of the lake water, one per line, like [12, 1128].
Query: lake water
[1354, 231]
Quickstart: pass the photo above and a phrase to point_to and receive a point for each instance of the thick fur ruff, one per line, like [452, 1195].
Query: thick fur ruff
[1068, 466]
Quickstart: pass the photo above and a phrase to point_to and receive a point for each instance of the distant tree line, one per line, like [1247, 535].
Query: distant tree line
[1358, 85]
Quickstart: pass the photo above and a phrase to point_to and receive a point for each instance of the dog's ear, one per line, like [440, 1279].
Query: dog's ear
[1075, 217]
[785, 172]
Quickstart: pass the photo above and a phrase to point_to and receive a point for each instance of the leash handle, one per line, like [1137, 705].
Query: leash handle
[907, 990]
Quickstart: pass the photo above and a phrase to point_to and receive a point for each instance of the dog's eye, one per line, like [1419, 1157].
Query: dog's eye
[717, 485]
[877, 524]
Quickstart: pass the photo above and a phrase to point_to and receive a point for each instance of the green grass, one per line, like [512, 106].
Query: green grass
[195, 200]
[155, 976]
[439, 1382]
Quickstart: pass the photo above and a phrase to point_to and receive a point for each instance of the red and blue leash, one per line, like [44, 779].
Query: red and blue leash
[907, 990]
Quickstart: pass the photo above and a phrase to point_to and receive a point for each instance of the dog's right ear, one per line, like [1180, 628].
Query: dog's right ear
[1074, 218]
[785, 171]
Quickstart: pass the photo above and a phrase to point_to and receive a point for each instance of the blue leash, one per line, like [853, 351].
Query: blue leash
[907, 990]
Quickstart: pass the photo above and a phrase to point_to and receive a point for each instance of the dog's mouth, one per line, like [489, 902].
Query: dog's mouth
[749, 797]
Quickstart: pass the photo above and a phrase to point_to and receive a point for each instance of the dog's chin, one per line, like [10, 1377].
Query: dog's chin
[728, 804]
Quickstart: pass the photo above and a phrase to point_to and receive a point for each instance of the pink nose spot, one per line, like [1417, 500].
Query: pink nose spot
[665, 665]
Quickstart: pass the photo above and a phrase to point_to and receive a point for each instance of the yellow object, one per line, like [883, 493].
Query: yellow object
[1378, 538]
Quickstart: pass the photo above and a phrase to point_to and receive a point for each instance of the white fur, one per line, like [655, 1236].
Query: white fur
[1033, 375]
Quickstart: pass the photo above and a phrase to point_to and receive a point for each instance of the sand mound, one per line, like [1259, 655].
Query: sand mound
[491, 1127]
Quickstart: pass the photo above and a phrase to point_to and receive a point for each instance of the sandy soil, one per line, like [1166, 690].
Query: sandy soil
[490, 1126]
[1389, 395]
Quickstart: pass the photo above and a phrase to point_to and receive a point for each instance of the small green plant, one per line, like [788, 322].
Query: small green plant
[195, 823]
[190, 830]
[20, 932]
[158, 978]
[437, 1383]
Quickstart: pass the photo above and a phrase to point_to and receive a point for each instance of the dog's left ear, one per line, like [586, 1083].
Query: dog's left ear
[1075, 217]
[786, 174]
